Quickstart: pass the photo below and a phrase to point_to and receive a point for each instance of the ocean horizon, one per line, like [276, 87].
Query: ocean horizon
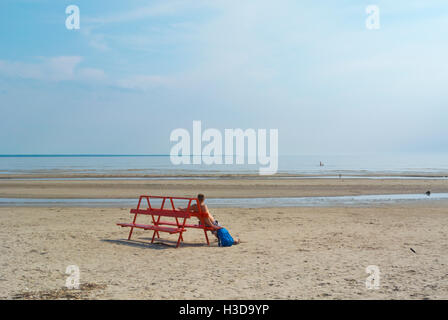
[160, 164]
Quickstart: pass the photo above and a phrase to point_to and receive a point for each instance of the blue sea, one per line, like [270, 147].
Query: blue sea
[333, 165]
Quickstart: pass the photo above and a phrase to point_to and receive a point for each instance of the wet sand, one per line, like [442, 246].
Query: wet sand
[237, 187]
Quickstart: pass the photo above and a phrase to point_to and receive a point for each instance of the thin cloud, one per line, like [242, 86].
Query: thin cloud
[159, 9]
[142, 82]
[50, 69]
[67, 68]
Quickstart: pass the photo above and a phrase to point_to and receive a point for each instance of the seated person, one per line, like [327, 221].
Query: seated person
[209, 220]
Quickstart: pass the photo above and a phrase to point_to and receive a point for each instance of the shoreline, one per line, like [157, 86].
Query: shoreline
[361, 201]
[332, 174]
[216, 188]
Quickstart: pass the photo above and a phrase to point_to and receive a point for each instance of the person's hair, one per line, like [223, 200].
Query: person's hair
[201, 197]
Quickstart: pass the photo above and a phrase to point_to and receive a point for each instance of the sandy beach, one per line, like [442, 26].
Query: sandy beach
[316, 131]
[287, 253]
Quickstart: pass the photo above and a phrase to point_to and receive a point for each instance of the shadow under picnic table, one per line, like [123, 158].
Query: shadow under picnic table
[159, 244]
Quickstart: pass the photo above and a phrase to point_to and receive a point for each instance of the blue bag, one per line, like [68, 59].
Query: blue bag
[224, 238]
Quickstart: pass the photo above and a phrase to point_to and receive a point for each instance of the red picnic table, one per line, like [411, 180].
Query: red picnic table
[178, 225]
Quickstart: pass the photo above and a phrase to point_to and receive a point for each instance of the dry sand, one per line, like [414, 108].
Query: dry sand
[290, 253]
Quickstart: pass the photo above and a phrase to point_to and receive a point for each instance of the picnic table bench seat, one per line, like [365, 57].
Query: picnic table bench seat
[151, 227]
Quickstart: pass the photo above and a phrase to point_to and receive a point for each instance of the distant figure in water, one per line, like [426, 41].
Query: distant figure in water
[321, 164]
[428, 193]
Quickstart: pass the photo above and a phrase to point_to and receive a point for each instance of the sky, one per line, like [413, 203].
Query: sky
[136, 70]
